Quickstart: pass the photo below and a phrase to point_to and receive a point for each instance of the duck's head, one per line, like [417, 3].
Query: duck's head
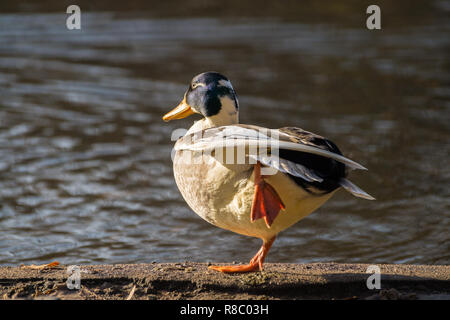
[211, 95]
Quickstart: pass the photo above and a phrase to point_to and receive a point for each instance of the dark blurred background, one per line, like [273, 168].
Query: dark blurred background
[85, 168]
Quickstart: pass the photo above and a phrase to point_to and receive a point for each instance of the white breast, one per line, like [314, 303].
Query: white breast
[222, 195]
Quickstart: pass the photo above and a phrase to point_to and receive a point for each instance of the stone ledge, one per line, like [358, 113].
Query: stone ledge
[191, 280]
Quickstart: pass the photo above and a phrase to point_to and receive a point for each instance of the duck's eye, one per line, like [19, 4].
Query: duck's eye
[197, 84]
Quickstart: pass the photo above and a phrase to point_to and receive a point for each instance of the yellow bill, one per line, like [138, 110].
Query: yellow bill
[181, 111]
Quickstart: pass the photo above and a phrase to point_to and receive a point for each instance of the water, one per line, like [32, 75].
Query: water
[85, 168]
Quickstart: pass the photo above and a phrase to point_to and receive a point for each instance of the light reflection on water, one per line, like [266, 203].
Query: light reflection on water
[85, 168]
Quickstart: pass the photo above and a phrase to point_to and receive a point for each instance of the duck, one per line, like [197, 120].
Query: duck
[249, 179]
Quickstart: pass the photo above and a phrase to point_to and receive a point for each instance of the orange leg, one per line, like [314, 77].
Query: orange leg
[255, 264]
[266, 201]
[266, 204]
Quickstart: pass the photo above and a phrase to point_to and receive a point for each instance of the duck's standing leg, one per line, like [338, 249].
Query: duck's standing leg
[266, 204]
[254, 265]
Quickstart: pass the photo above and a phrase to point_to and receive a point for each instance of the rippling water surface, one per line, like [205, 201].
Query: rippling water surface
[85, 167]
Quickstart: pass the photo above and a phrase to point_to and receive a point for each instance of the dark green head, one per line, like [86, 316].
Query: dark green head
[210, 94]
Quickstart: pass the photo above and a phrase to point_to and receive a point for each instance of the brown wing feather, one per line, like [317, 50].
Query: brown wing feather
[331, 171]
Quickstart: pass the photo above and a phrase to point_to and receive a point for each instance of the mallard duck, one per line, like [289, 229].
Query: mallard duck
[247, 179]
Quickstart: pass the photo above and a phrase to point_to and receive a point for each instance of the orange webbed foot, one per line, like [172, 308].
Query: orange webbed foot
[266, 201]
[236, 269]
[255, 264]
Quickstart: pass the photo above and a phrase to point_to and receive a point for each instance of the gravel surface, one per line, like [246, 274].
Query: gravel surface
[194, 281]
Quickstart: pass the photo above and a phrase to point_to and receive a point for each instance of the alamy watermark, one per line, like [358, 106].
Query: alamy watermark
[374, 280]
[73, 22]
[74, 279]
[230, 146]
[374, 20]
